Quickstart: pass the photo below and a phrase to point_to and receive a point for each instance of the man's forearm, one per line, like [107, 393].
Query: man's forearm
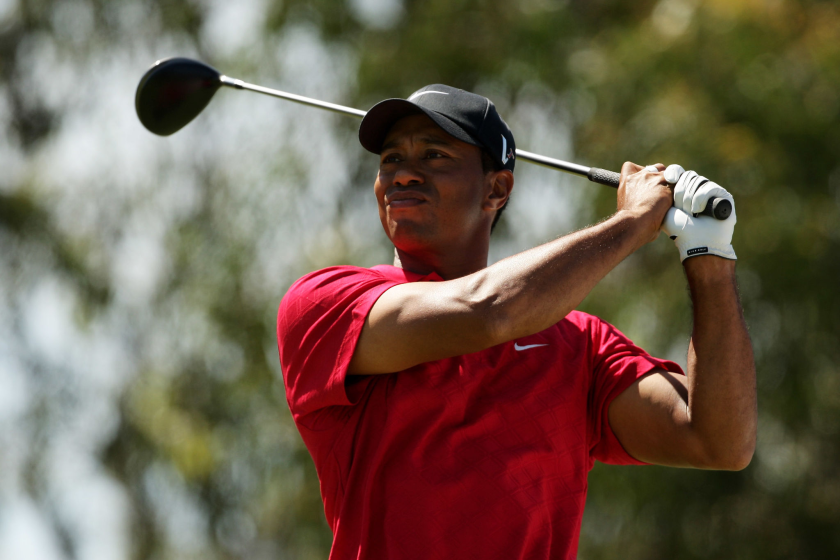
[533, 290]
[721, 371]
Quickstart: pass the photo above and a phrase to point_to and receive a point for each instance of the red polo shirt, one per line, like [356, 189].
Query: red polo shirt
[479, 456]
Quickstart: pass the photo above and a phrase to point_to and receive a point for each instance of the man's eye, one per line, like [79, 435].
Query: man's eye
[390, 158]
[434, 155]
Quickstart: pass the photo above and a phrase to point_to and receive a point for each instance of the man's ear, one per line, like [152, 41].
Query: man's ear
[501, 185]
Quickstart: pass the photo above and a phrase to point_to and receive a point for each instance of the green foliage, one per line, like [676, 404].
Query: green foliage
[743, 91]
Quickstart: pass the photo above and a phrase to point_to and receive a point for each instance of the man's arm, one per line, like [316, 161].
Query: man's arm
[524, 294]
[709, 419]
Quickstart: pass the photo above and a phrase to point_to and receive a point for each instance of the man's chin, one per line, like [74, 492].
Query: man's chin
[411, 236]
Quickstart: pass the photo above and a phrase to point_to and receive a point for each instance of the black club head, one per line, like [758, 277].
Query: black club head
[173, 92]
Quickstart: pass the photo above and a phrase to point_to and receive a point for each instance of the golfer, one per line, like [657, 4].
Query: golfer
[454, 409]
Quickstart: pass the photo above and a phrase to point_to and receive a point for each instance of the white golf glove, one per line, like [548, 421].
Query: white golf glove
[695, 234]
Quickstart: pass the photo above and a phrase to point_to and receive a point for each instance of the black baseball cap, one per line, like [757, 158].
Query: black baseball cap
[466, 116]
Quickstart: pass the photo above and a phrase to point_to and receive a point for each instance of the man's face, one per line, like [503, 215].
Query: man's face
[430, 187]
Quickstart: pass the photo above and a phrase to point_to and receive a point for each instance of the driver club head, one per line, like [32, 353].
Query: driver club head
[173, 92]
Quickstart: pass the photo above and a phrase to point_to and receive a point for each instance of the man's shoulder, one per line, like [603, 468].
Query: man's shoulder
[578, 320]
[333, 287]
[342, 277]
[320, 285]
[341, 272]
[579, 326]
[331, 274]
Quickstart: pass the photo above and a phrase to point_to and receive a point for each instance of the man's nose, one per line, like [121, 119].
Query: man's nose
[407, 174]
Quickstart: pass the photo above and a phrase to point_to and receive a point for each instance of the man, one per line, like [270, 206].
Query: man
[453, 410]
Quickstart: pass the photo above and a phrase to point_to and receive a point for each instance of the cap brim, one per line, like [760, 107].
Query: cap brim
[382, 116]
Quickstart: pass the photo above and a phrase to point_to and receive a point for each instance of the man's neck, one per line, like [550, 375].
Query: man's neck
[448, 265]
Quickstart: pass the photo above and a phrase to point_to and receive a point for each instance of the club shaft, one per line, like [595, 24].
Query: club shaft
[538, 159]
[594, 174]
[239, 84]
[559, 164]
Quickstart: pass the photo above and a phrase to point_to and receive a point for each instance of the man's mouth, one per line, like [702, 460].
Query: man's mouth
[405, 199]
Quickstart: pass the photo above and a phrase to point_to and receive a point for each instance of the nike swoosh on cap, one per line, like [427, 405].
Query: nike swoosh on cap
[416, 95]
[520, 348]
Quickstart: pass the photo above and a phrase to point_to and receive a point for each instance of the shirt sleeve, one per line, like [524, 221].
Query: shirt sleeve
[617, 364]
[318, 324]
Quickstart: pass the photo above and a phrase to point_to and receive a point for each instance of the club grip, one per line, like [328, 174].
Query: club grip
[719, 208]
[604, 177]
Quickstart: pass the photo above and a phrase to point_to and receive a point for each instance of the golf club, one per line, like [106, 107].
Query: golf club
[175, 90]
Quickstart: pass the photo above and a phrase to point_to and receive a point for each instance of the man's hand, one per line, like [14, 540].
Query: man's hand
[698, 235]
[644, 194]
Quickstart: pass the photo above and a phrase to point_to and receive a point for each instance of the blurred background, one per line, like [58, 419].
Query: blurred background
[142, 411]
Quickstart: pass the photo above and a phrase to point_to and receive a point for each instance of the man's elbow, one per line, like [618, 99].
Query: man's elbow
[734, 456]
[490, 323]
[736, 462]
[502, 311]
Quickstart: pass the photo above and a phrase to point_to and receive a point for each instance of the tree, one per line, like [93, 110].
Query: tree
[141, 275]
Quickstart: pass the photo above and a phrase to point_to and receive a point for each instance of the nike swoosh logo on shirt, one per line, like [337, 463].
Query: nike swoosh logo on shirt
[520, 348]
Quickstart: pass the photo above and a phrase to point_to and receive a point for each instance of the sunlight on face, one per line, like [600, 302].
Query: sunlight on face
[430, 186]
